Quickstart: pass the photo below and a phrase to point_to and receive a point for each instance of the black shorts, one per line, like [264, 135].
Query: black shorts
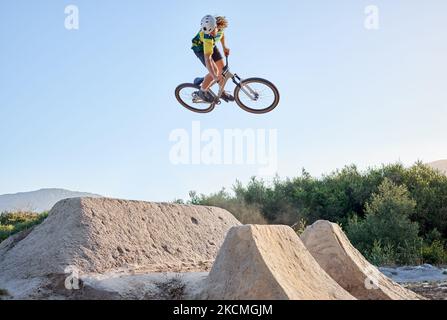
[217, 56]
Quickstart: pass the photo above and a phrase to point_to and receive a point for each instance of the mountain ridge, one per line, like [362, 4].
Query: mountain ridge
[39, 200]
[440, 165]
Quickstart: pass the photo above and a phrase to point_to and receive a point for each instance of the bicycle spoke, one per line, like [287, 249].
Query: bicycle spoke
[187, 95]
[257, 95]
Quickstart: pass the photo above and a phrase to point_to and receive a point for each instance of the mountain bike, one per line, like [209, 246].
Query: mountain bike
[254, 95]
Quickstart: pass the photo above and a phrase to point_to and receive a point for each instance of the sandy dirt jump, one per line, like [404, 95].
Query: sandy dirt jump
[331, 248]
[99, 235]
[121, 249]
[268, 263]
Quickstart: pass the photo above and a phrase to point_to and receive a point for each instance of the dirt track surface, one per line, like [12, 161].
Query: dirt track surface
[430, 290]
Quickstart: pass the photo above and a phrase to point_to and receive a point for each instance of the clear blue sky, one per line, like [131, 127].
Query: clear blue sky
[92, 109]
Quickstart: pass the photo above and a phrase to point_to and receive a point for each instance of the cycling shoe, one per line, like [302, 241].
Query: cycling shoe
[198, 81]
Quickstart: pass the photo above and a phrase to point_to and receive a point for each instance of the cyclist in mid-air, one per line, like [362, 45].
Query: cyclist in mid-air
[204, 46]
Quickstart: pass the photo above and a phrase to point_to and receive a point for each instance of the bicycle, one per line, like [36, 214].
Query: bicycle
[251, 90]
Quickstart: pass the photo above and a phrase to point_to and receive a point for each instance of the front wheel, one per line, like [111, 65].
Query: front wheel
[186, 94]
[256, 95]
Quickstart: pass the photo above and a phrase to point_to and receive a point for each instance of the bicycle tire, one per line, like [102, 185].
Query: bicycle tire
[267, 83]
[187, 105]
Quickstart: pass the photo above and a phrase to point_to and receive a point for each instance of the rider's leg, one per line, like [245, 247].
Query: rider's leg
[206, 82]
[220, 66]
[209, 78]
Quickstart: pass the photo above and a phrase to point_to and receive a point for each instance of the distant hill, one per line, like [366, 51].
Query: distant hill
[38, 201]
[441, 165]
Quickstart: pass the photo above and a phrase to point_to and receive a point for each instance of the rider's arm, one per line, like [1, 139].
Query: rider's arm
[224, 46]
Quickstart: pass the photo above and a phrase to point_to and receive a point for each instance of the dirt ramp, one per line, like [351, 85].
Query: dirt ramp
[331, 248]
[268, 263]
[98, 235]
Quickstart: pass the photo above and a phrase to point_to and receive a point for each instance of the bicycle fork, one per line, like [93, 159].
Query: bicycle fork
[252, 94]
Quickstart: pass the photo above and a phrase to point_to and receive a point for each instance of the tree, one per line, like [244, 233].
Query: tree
[387, 222]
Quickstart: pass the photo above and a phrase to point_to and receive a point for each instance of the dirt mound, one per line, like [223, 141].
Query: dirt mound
[346, 265]
[96, 235]
[268, 263]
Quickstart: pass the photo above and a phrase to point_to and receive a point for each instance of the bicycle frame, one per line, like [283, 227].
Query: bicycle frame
[227, 75]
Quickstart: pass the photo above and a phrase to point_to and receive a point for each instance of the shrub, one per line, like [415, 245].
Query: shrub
[433, 236]
[381, 255]
[429, 188]
[415, 204]
[386, 231]
[245, 213]
[5, 232]
[434, 253]
[13, 218]
[300, 227]
[275, 203]
[15, 222]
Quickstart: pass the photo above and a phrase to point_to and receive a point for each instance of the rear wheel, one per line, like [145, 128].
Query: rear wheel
[186, 94]
[256, 95]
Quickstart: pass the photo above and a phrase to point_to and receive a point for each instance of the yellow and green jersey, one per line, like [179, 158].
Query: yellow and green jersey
[205, 43]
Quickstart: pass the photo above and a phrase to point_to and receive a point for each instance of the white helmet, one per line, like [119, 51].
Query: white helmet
[208, 23]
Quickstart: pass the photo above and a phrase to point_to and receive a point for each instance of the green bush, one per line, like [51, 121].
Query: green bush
[245, 213]
[386, 229]
[15, 222]
[381, 255]
[416, 211]
[428, 188]
[276, 203]
[13, 218]
[300, 227]
[434, 253]
[433, 236]
[5, 231]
